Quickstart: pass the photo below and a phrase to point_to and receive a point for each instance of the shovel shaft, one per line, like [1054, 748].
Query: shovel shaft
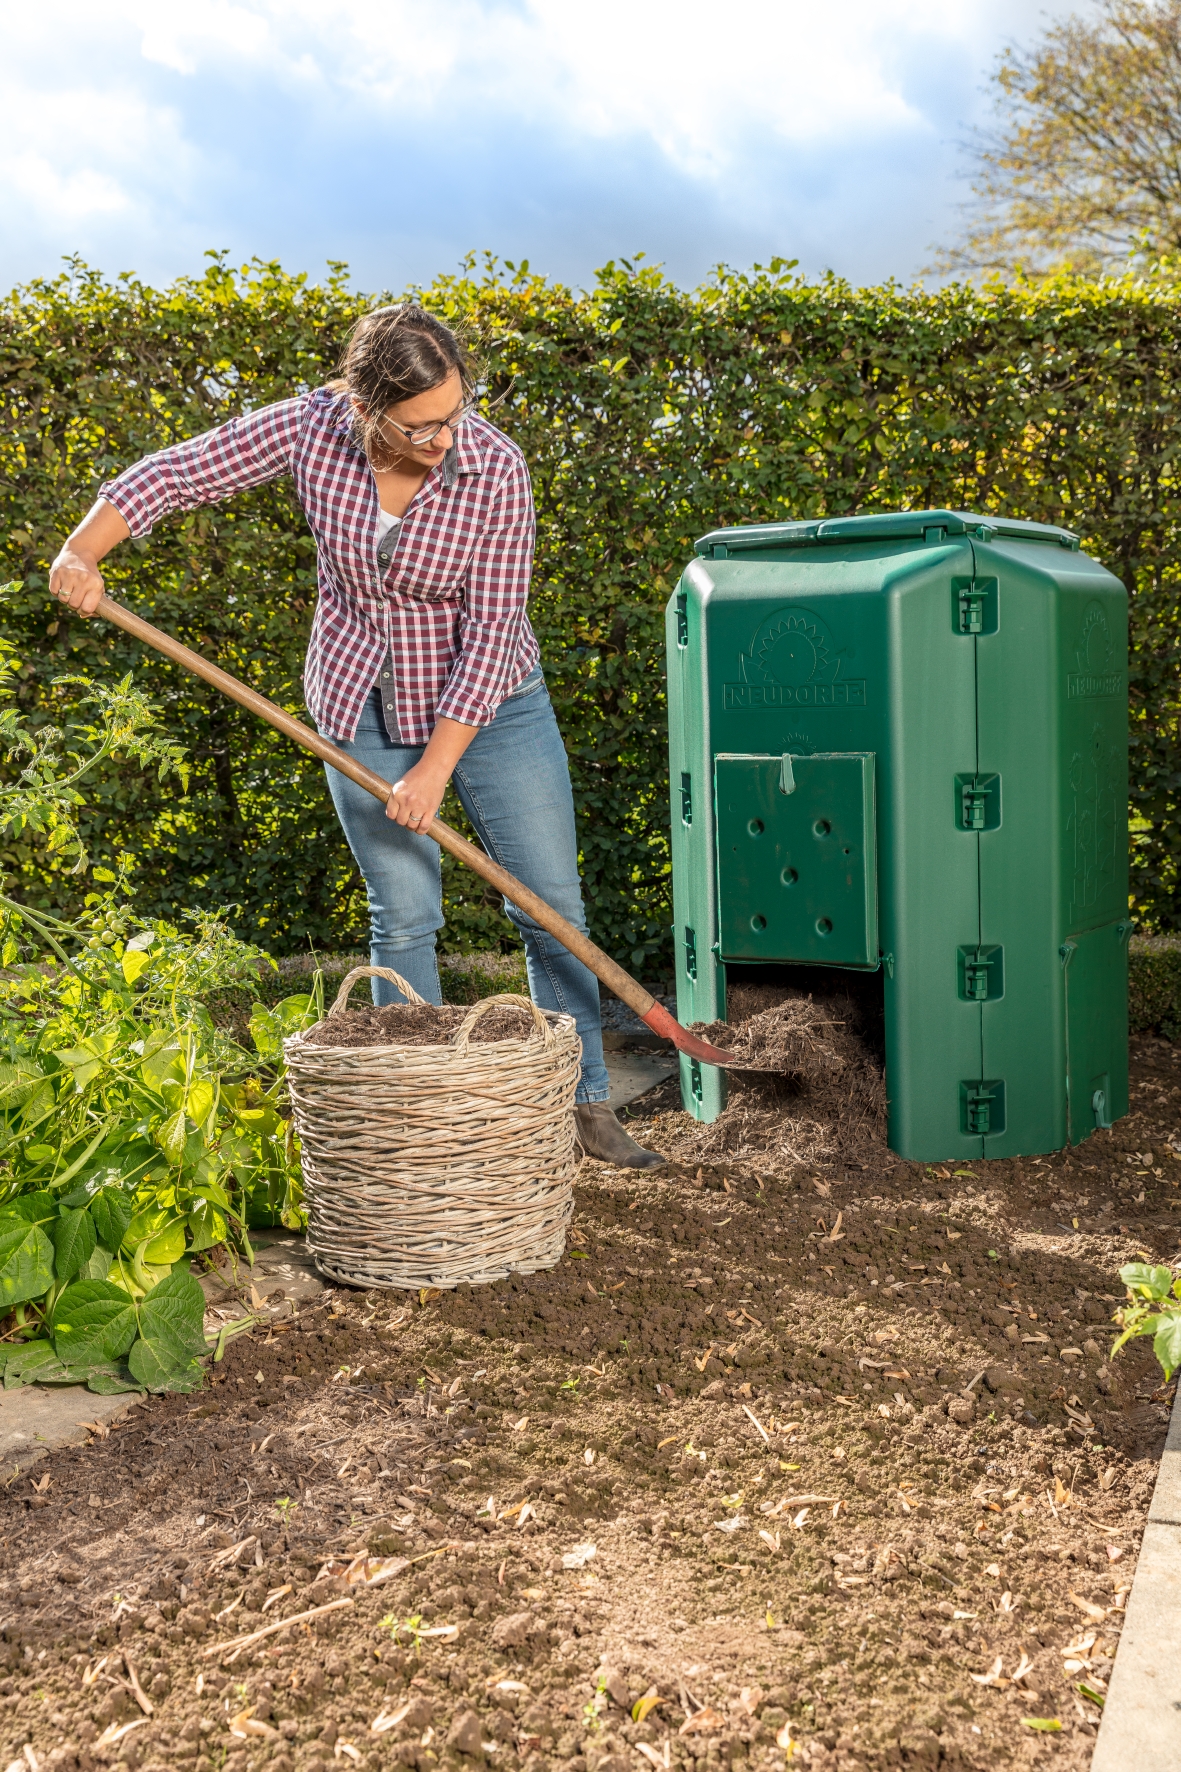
[602, 965]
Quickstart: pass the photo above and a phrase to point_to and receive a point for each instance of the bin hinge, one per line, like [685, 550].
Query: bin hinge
[1066, 952]
[690, 952]
[976, 977]
[682, 618]
[1124, 930]
[686, 797]
[1099, 1109]
[974, 794]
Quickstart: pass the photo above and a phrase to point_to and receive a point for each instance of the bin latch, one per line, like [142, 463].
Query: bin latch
[682, 618]
[690, 952]
[983, 1108]
[972, 600]
[787, 779]
[976, 978]
[975, 792]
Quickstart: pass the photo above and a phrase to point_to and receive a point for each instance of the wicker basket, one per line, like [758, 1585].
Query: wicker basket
[435, 1165]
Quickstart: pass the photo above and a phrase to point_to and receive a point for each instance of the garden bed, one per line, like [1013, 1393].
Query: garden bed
[720, 1344]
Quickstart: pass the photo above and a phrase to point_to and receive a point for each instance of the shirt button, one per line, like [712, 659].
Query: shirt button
[384, 558]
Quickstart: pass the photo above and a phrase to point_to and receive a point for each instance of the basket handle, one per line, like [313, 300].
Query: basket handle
[463, 1032]
[342, 995]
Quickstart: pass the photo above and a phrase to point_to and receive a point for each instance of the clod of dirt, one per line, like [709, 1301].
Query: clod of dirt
[407, 1024]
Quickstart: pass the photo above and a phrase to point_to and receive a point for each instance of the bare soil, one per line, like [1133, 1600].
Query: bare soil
[841, 1433]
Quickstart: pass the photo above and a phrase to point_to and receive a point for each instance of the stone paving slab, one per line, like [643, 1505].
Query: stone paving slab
[1141, 1724]
[632, 1074]
[37, 1417]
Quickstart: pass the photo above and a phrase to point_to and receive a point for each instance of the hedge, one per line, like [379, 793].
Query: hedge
[649, 414]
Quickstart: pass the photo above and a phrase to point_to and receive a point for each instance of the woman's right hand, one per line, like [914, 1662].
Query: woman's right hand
[75, 579]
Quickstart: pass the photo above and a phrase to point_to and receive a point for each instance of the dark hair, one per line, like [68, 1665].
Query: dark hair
[392, 355]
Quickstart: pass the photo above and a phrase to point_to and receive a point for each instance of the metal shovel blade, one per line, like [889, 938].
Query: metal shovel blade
[669, 1028]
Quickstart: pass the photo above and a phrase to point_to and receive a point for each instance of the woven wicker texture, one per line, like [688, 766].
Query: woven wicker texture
[434, 1165]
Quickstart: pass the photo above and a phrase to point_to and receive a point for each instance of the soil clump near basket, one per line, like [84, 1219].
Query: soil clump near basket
[686, 1301]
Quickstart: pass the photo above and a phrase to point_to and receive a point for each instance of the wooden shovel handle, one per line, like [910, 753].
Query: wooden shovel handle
[626, 988]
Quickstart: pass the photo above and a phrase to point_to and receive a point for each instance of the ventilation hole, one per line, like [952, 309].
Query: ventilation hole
[823, 926]
[822, 828]
[755, 827]
[789, 876]
[758, 924]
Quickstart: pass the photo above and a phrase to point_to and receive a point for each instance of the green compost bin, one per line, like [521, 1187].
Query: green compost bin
[899, 743]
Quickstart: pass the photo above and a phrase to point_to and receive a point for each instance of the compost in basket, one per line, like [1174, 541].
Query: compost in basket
[437, 1144]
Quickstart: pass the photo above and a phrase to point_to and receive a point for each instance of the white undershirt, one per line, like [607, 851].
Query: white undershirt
[386, 524]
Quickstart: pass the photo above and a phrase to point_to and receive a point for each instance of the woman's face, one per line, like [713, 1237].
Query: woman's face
[436, 406]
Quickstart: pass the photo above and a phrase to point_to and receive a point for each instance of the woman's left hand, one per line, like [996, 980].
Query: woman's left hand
[417, 796]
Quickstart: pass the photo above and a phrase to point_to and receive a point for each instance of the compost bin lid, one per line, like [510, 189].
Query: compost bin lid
[927, 526]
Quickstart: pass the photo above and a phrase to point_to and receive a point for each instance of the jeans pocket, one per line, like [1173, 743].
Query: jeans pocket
[533, 682]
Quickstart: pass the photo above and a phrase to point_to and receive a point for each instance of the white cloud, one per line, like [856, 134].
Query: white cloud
[398, 134]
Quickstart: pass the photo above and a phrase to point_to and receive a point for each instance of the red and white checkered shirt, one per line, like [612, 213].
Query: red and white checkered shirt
[448, 602]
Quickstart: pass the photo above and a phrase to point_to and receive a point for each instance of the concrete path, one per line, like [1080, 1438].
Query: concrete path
[632, 1074]
[1141, 1724]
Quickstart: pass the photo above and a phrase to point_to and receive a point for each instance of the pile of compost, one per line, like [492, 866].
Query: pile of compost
[405, 1024]
[810, 1082]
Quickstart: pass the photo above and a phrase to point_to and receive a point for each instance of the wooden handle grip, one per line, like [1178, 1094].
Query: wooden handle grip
[624, 986]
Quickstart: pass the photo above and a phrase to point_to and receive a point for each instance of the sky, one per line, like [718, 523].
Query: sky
[398, 136]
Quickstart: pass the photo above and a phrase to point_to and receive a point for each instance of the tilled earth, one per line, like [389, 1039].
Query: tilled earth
[861, 1487]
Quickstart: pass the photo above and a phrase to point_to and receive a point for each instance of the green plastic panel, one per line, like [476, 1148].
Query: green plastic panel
[982, 663]
[797, 858]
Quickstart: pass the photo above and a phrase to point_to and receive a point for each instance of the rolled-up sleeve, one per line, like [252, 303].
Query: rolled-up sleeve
[248, 451]
[494, 604]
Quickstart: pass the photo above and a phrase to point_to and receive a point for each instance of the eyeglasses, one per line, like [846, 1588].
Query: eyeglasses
[427, 433]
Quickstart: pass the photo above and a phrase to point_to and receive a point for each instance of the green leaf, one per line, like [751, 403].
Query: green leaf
[206, 1227]
[74, 1239]
[167, 1246]
[25, 1364]
[160, 1363]
[111, 1211]
[1044, 1725]
[26, 1262]
[99, 1265]
[1150, 1282]
[104, 874]
[133, 963]
[175, 1308]
[38, 1208]
[1166, 1343]
[171, 1136]
[109, 1380]
[93, 1321]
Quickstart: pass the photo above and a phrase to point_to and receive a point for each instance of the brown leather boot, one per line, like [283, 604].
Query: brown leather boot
[603, 1138]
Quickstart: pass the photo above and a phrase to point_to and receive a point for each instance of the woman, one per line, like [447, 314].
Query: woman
[422, 662]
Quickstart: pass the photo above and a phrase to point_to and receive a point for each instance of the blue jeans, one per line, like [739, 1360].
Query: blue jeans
[514, 784]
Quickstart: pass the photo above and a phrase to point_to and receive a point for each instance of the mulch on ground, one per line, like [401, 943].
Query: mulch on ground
[861, 1487]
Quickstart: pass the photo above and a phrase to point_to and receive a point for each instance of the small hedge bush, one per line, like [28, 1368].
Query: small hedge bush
[1154, 985]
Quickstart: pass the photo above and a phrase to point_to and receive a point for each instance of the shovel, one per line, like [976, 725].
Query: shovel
[626, 988]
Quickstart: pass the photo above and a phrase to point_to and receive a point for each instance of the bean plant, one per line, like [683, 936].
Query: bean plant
[135, 1134]
[1153, 1308]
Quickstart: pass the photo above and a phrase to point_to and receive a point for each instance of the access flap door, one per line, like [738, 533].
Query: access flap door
[797, 858]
